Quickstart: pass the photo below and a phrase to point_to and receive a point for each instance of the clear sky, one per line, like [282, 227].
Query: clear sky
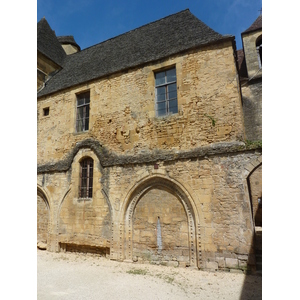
[94, 21]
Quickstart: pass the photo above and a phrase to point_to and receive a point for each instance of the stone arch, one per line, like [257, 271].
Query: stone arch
[43, 216]
[173, 187]
[250, 168]
[84, 224]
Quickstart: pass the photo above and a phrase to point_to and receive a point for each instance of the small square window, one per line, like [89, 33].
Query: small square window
[46, 111]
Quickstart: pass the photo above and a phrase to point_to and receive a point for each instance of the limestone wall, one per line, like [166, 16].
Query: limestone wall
[203, 205]
[187, 170]
[122, 109]
[252, 107]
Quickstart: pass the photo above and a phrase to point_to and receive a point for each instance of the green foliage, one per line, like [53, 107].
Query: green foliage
[253, 144]
[213, 121]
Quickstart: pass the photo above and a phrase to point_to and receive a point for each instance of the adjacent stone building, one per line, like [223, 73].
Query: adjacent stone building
[142, 152]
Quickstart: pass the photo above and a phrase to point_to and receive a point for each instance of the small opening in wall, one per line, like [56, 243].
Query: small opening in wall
[46, 111]
[155, 166]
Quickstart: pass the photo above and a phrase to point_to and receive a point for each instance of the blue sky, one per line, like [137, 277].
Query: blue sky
[94, 21]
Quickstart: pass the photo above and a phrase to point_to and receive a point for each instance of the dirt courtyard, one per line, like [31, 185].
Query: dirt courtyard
[83, 276]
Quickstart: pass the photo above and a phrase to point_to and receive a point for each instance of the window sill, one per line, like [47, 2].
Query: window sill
[80, 132]
[84, 199]
[167, 115]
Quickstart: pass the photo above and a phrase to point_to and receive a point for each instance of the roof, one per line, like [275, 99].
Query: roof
[48, 44]
[68, 39]
[154, 41]
[256, 25]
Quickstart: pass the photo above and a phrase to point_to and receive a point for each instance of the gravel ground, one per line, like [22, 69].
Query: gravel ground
[83, 276]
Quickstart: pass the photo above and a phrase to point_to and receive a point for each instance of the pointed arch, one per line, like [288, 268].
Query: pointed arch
[43, 215]
[172, 186]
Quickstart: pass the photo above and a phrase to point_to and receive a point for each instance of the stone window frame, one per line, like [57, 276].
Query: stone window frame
[85, 188]
[82, 111]
[162, 90]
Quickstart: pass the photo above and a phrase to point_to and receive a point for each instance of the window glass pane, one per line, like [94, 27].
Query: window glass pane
[87, 111]
[80, 101]
[161, 112]
[159, 78]
[79, 126]
[172, 87]
[161, 106]
[173, 106]
[171, 75]
[172, 92]
[172, 95]
[80, 113]
[86, 125]
[161, 93]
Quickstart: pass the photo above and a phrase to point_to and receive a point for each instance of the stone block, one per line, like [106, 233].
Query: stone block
[236, 271]
[231, 263]
[242, 264]
[212, 265]
[221, 262]
[172, 263]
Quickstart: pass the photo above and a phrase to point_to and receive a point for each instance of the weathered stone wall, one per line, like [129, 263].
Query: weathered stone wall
[122, 108]
[213, 195]
[252, 108]
[189, 169]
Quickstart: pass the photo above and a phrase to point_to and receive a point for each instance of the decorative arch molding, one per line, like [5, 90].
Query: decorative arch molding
[175, 188]
[65, 164]
[67, 191]
[254, 164]
[47, 200]
[105, 194]
[45, 195]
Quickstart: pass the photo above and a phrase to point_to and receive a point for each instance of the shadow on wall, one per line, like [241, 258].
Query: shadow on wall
[252, 287]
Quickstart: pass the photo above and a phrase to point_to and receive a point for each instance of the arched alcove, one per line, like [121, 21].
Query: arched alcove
[159, 224]
[43, 216]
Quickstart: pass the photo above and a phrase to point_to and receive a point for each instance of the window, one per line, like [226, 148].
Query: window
[83, 112]
[46, 111]
[166, 92]
[259, 50]
[86, 178]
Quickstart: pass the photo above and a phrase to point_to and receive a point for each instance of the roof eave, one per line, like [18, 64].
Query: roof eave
[218, 41]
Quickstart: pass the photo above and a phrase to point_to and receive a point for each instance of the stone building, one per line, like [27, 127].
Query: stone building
[141, 147]
[250, 70]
